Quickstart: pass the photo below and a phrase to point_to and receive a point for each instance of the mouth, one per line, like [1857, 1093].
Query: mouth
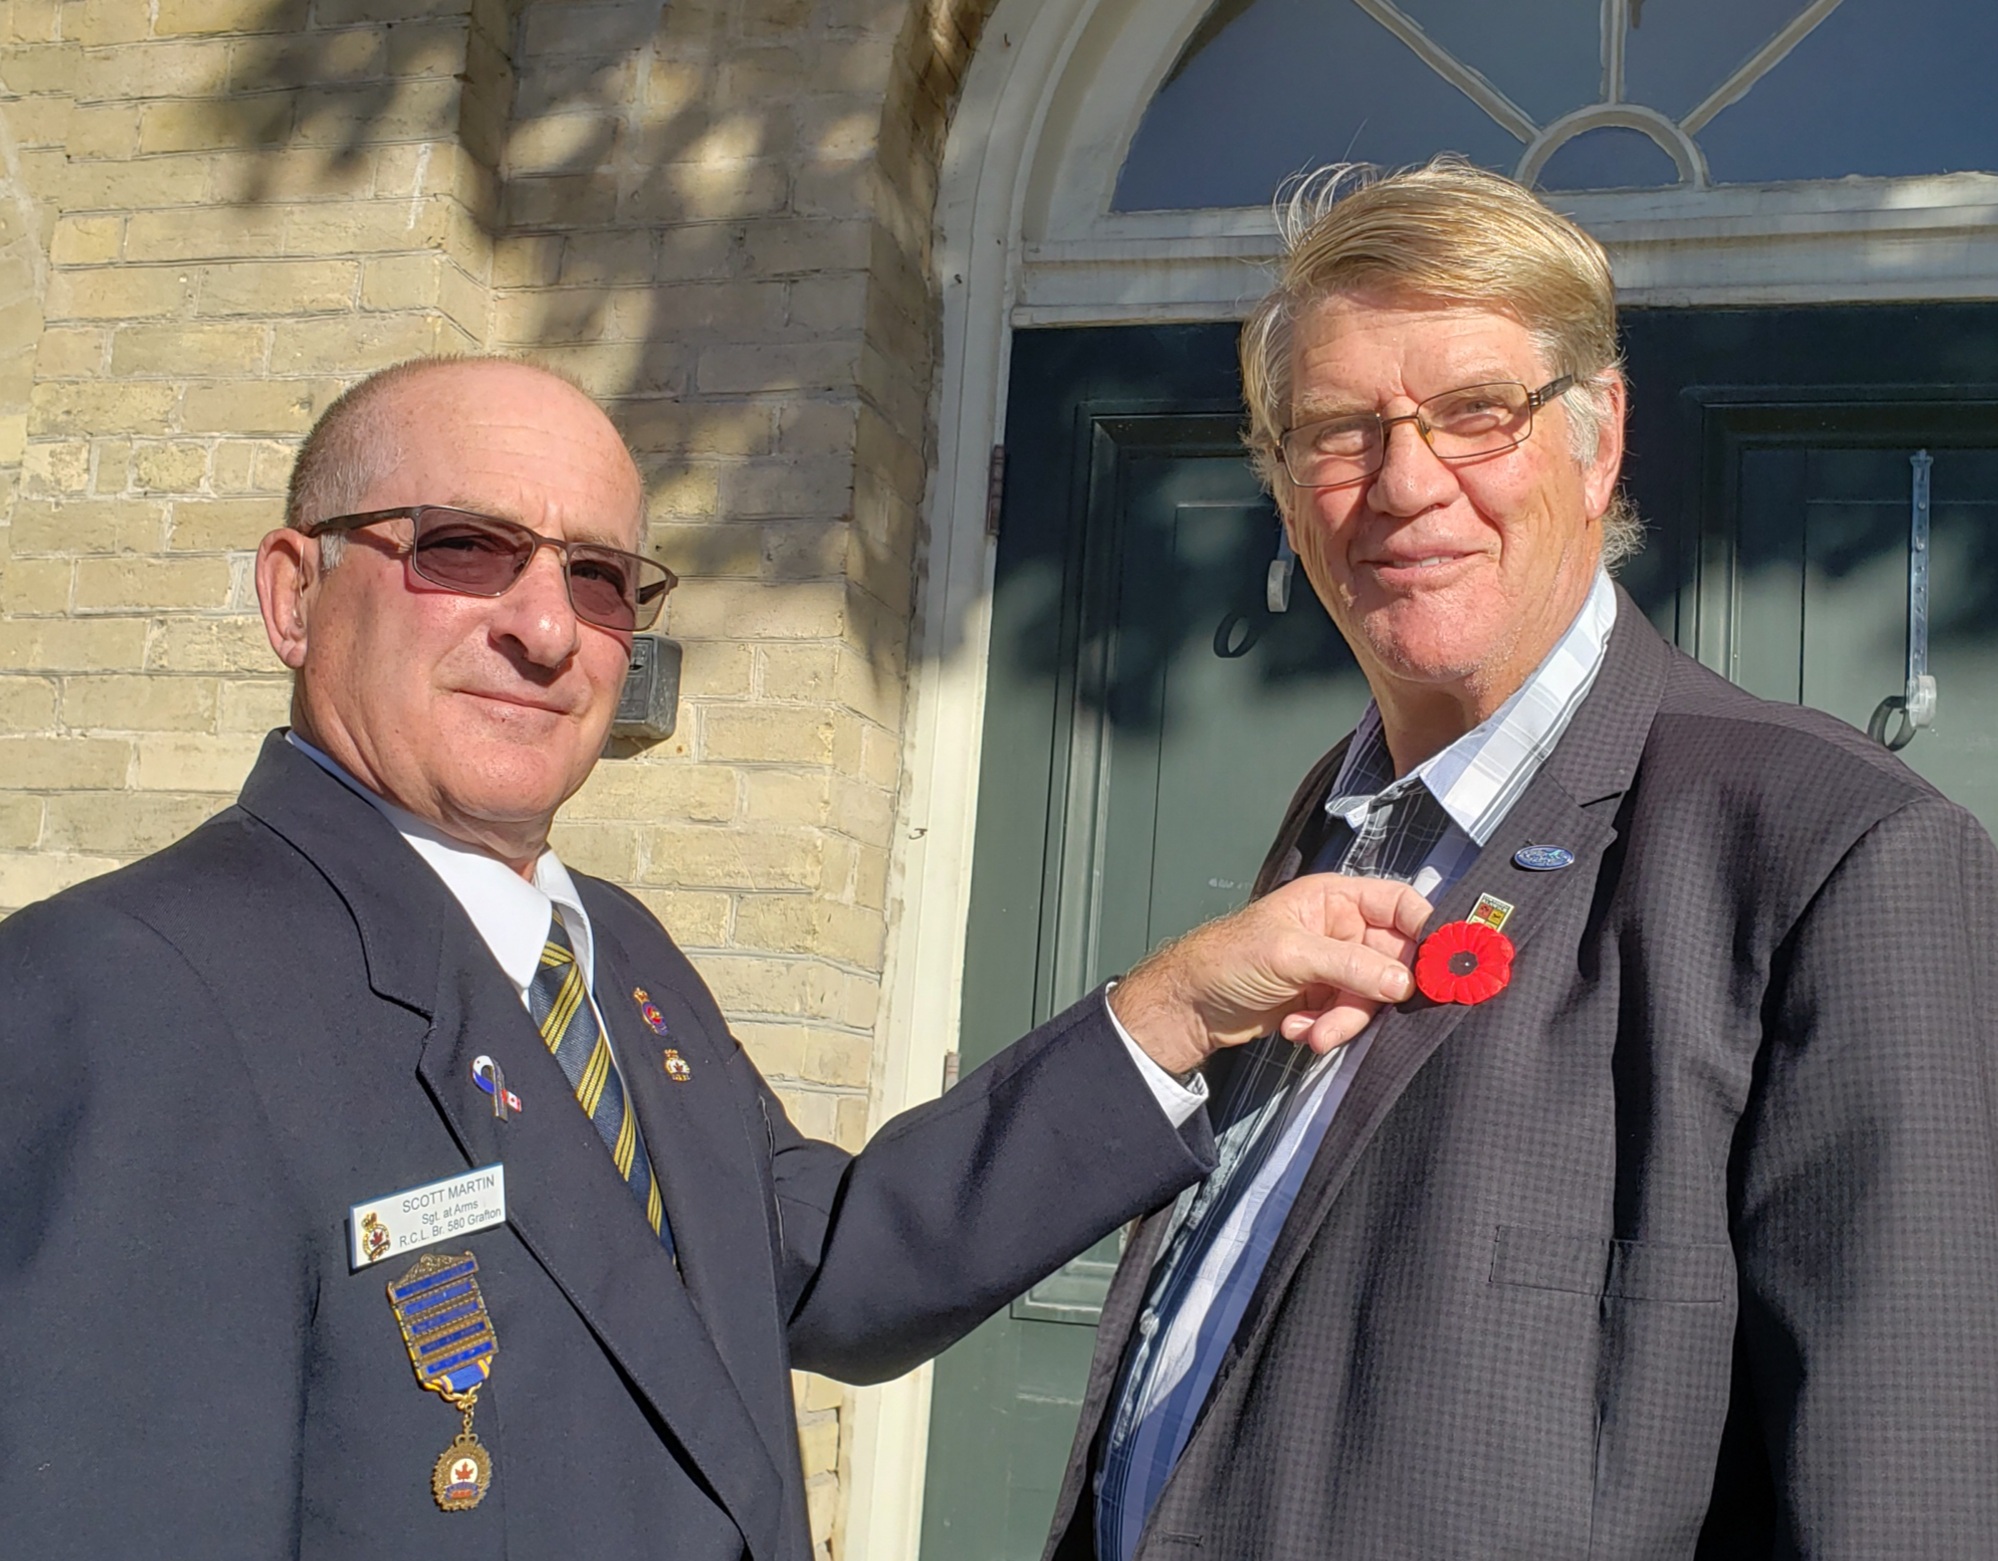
[517, 701]
[1425, 568]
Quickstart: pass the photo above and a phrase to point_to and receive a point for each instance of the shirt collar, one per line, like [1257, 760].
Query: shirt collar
[1477, 778]
[510, 913]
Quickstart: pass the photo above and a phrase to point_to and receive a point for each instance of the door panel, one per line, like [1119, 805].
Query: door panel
[1207, 743]
[1827, 624]
[1148, 717]
[1780, 441]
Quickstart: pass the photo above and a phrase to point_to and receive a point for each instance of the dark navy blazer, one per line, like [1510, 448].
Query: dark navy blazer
[207, 1057]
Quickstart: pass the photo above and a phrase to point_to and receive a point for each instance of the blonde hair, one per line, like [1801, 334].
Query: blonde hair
[1454, 233]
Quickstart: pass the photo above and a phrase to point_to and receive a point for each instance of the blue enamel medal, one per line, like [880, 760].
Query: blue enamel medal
[451, 1344]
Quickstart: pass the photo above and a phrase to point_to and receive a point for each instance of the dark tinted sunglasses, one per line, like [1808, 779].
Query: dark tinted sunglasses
[478, 555]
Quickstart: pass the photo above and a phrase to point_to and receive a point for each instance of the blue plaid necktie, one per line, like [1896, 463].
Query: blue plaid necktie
[561, 1007]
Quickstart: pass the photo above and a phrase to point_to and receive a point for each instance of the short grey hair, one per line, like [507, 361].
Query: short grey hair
[350, 446]
[1450, 231]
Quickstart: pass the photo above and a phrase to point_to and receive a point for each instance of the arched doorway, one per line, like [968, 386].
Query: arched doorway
[1092, 267]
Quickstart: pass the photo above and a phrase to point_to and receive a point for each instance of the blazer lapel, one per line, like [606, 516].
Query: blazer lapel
[1405, 1038]
[564, 1198]
[1569, 803]
[695, 1132]
[569, 1208]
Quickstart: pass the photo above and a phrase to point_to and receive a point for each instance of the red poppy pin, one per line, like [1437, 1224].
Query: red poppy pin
[1463, 962]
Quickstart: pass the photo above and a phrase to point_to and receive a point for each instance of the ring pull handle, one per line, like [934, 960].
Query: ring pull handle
[1911, 722]
[1916, 703]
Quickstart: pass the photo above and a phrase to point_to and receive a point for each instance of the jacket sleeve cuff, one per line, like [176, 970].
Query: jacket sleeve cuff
[1178, 1100]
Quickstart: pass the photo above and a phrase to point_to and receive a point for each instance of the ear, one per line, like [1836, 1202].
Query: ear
[1599, 479]
[287, 564]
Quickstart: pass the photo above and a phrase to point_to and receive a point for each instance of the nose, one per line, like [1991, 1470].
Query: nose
[536, 614]
[1411, 478]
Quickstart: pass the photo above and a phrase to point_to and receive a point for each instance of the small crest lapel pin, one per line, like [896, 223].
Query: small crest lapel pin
[649, 1010]
[675, 1065]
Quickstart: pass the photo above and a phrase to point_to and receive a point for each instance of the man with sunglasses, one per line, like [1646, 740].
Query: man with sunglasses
[373, 1185]
[1664, 1223]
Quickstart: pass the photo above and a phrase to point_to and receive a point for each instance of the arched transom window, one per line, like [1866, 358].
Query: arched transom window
[1570, 94]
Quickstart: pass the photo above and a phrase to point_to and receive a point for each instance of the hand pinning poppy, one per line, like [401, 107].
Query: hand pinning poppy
[1463, 962]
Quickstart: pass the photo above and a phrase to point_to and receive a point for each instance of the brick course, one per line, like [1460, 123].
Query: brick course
[216, 213]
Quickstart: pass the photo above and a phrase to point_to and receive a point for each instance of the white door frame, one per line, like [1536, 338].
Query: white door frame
[995, 136]
[1026, 237]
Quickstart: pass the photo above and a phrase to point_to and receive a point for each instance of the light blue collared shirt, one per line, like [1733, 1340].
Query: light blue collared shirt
[1282, 1100]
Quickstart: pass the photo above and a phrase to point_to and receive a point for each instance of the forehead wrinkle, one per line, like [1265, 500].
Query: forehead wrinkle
[604, 464]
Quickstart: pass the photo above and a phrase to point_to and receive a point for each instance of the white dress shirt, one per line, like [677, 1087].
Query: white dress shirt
[511, 915]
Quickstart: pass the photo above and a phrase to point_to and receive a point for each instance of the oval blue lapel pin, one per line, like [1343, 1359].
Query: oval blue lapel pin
[1543, 859]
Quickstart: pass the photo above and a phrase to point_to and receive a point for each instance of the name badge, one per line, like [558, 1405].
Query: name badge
[436, 1211]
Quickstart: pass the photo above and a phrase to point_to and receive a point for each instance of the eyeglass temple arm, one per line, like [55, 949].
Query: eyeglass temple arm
[318, 528]
[1547, 392]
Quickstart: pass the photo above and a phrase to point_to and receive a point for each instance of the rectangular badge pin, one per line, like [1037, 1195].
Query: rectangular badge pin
[1492, 911]
[436, 1211]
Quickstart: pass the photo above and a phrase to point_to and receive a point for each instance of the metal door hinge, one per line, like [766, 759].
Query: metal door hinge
[1276, 586]
[995, 489]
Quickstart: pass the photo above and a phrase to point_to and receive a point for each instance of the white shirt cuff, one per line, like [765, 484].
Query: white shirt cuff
[1178, 1101]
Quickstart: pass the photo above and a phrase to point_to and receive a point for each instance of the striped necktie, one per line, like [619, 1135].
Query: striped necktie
[561, 1007]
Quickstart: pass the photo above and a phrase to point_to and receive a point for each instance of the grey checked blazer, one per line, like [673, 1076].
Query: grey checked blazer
[1686, 1244]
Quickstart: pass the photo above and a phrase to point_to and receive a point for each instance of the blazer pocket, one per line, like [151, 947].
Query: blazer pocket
[1629, 1270]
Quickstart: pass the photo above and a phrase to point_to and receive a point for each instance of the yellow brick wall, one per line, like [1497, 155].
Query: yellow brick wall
[214, 214]
[209, 243]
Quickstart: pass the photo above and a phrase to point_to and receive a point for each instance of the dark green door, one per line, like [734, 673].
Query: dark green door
[1775, 453]
[1148, 714]
[1147, 719]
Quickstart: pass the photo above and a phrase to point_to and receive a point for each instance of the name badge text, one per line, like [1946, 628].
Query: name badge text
[436, 1211]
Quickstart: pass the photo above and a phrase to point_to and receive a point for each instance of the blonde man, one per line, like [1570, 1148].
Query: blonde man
[1668, 1226]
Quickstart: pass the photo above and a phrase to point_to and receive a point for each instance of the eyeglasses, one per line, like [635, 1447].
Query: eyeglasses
[478, 555]
[1458, 425]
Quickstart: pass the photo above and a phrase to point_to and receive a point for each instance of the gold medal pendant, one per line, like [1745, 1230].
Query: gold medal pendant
[464, 1470]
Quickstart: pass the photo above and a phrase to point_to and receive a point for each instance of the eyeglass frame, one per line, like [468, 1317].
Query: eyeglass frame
[641, 621]
[1559, 386]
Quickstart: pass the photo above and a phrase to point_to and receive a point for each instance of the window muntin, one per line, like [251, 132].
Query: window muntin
[1567, 93]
